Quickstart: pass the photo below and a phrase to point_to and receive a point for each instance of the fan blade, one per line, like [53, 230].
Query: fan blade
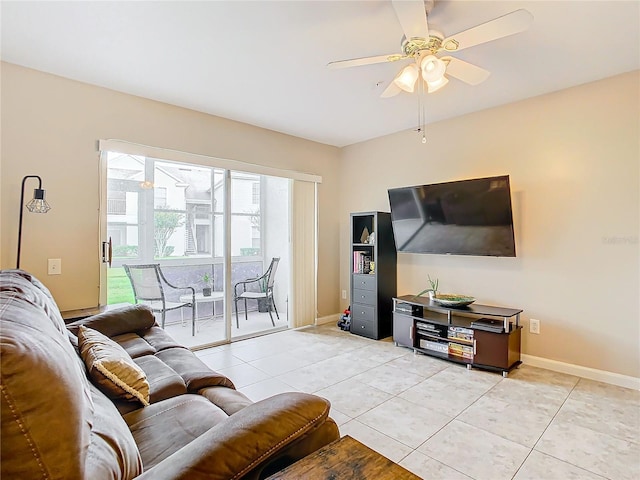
[356, 62]
[514, 22]
[412, 17]
[467, 72]
[391, 91]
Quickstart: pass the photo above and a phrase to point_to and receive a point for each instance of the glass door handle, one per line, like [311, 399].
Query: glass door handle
[107, 252]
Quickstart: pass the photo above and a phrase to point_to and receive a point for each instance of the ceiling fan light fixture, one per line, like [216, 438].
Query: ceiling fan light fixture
[437, 85]
[433, 68]
[407, 77]
[391, 91]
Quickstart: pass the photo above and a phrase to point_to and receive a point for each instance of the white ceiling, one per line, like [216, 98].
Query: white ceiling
[264, 63]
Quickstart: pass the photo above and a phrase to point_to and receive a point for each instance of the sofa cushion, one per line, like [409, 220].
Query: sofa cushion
[25, 287]
[132, 318]
[159, 339]
[40, 375]
[164, 383]
[193, 370]
[145, 342]
[111, 368]
[134, 344]
[163, 428]
[113, 452]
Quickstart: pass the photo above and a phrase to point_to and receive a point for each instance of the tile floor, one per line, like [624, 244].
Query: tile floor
[440, 420]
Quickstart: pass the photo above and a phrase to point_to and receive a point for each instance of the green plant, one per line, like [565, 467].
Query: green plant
[165, 223]
[125, 251]
[433, 284]
[206, 279]
[118, 287]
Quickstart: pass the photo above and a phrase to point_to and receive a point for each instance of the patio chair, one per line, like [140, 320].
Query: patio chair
[265, 284]
[148, 283]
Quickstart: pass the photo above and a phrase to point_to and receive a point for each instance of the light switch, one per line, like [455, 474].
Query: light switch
[55, 266]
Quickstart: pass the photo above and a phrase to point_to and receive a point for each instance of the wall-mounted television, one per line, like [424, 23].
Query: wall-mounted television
[467, 217]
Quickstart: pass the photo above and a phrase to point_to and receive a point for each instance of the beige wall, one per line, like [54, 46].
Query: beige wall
[573, 157]
[50, 127]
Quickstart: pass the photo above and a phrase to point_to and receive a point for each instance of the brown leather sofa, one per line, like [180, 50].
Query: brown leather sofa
[57, 423]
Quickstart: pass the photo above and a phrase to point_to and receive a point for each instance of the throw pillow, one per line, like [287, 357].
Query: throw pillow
[111, 368]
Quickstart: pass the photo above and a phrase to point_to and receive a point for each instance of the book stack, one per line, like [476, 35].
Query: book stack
[494, 325]
[361, 262]
[460, 333]
[462, 351]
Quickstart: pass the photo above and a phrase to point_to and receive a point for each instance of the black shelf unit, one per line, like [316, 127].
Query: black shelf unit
[372, 293]
[453, 333]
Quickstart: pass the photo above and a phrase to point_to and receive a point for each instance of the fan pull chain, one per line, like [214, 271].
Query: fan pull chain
[421, 107]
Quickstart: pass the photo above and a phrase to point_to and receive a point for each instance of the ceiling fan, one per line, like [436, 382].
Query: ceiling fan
[430, 48]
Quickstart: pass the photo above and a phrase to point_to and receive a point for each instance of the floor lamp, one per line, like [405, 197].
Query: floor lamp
[36, 205]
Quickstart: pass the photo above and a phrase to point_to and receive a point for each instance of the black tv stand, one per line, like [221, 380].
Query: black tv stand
[468, 335]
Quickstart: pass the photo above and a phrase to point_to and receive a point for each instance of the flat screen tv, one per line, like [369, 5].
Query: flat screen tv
[467, 217]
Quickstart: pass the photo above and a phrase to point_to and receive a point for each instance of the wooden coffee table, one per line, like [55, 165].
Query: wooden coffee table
[345, 459]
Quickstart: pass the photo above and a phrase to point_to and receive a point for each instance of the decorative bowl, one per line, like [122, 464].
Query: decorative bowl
[453, 300]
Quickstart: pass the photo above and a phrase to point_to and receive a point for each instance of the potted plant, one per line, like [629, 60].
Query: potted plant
[206, 290]
[263, 304]
[433, 290]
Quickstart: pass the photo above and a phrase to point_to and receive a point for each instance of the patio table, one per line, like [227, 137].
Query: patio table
[200, 298]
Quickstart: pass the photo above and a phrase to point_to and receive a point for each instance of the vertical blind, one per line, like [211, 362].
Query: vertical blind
[304, 246]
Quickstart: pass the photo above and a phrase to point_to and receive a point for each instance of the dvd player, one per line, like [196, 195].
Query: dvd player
[409, 309]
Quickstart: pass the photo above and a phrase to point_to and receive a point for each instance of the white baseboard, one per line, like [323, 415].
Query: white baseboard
[554, 365]
[328, 319]
[584, 372]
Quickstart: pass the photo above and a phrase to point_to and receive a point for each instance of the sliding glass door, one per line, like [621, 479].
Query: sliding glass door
[174, 214]
[259, 252]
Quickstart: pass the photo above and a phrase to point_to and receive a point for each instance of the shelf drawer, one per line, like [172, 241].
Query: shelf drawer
[364, 282]
[362, 327]
[367, 297]
[363, 313]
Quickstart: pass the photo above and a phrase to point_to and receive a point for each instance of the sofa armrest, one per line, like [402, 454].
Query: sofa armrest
[231, 401]
[246, 440]
[129, 319]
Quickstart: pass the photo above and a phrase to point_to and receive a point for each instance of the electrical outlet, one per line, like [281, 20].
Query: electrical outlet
[534, 326]
[344, 294]
[54, 266]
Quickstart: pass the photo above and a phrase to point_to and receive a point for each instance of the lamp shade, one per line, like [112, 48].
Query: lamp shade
[407, 77]
[437, 85]
[433, 68]
[38, 204]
